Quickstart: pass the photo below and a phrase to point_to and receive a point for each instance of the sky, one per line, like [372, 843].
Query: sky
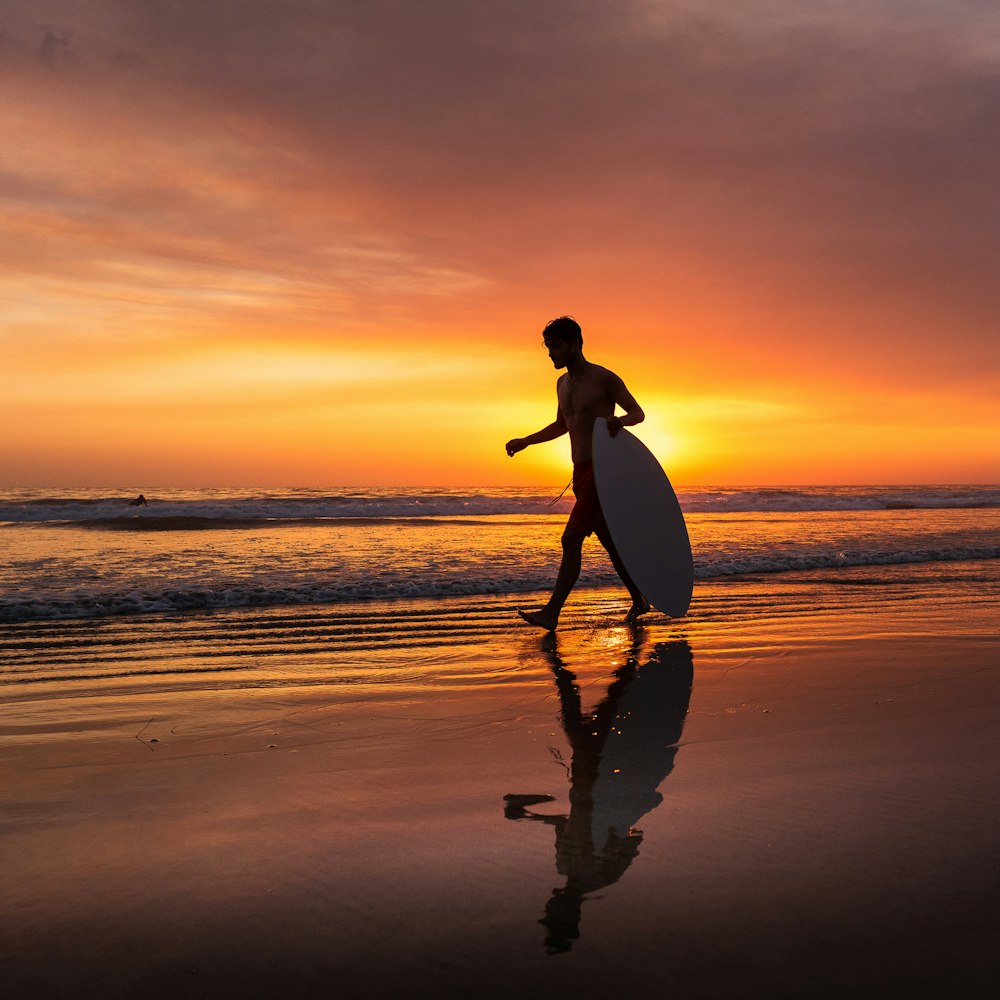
[304, 243]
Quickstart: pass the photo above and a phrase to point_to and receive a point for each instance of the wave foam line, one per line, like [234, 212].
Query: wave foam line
[277, 629]
[34, 653]
[270, 628]
[197, 509]
[180, 600]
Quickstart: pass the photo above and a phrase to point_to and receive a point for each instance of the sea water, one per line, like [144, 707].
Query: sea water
[89, 554]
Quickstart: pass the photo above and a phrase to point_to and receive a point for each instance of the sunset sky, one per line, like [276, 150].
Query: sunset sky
[305, 243]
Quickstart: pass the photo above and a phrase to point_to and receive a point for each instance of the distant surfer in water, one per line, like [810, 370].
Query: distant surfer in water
[585, 392]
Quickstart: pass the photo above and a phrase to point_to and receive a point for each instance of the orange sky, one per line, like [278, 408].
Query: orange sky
[314, 243]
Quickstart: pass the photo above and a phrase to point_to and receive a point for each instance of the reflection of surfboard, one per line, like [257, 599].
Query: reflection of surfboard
[644, 519]
[647, 727]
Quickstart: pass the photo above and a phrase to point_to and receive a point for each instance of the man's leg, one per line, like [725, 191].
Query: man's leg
[639, 603]
[569, 573]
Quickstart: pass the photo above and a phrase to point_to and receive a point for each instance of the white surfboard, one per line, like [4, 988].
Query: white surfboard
[644, 519]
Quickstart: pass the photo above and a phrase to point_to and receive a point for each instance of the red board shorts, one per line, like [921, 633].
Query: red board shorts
[586, 517]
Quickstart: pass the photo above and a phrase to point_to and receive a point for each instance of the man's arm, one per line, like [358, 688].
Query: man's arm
[556, 429]
[620, 396]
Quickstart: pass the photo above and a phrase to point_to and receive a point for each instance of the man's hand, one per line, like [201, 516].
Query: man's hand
[514, 445]
[614, 425]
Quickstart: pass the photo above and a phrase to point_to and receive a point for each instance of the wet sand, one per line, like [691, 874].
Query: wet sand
[782, 796]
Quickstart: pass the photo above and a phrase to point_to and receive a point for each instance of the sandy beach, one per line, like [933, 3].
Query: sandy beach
[788, 794]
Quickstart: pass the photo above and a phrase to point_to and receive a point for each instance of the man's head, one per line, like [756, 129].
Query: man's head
[564, 328]
[563, 338]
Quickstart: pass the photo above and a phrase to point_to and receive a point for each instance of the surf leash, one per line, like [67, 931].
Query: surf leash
[561, 495]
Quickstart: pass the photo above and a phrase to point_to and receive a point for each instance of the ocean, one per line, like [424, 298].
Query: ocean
[85, 555]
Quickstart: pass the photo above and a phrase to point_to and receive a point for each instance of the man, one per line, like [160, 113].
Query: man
[585, 392]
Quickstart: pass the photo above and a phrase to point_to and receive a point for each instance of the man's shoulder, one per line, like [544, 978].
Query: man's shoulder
[606, 374]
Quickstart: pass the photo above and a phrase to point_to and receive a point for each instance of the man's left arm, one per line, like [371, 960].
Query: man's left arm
[620, 396]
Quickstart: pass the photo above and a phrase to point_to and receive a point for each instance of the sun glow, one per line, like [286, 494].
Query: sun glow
[669, 446]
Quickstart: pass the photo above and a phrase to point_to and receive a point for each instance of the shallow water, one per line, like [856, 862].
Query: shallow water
[80, 570]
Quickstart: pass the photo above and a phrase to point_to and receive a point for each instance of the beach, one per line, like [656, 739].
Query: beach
[791, 792]
[342, 342]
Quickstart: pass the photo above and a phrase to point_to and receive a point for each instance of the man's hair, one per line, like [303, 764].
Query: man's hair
[564, 328]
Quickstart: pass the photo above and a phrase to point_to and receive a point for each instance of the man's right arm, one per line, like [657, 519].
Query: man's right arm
[556, 429]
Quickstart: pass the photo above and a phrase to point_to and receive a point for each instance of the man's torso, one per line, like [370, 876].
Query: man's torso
[581, 401]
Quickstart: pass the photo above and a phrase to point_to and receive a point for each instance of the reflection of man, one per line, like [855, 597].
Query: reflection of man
[585, 392]
[621, 752]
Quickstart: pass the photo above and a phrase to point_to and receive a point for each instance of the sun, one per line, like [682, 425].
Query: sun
[668, 446]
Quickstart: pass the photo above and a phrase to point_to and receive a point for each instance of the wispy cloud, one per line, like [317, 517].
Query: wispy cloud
[815, 152]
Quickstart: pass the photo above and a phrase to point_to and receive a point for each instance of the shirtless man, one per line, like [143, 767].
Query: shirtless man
[585, 392]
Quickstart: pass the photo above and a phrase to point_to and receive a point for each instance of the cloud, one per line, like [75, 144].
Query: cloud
[809, 169]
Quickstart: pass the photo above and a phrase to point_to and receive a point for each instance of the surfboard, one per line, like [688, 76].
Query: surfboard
[644, 519]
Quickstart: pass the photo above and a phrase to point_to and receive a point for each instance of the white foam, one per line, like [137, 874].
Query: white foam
[86, 603]
[290, 506]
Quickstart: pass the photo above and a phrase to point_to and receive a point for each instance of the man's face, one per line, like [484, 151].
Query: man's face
[559, 351]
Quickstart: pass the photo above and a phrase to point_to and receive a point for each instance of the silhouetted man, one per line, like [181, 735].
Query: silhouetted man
[585, 392]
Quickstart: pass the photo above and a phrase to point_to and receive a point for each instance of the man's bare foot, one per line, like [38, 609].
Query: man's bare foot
[639, 608]
[542, 619]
